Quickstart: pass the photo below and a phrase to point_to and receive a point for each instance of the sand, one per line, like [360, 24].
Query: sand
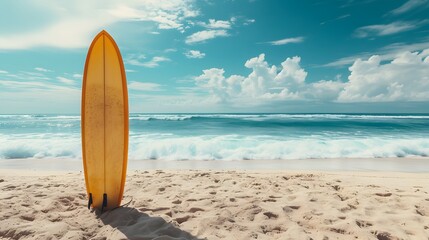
[212, 204]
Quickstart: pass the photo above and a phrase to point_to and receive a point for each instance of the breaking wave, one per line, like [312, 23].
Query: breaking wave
[224, 147]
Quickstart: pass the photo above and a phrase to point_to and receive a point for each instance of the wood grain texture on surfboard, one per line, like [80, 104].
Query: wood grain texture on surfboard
[104, 122]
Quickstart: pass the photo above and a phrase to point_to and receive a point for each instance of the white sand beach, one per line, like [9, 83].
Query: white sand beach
[219, 204]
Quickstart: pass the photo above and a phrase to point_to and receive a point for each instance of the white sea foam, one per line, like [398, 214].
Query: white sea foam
[39, 146]
[231, 147]
[225, 147]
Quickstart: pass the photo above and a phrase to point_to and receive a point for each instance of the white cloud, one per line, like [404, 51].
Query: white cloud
[77, 75]
[385, 29]
[204, 35]
[66, 80]
[194, 54]
[405, 78]
[216, 28]
[249, 21]
[407, 6]
[168, 14]
[264, 82]
[25, 75]
[3, 72]
[42, 69]
[31, 96]
[168, 50]
[33, 86]
[287, 41]
[74, 23]
[136, 60]
[144, 86]
[216, 24]
[335, 19]
[386, 53]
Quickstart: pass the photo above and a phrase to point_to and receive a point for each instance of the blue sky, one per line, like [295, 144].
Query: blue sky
[222, 56]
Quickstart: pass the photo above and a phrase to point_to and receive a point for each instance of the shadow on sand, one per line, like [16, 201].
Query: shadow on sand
[137, 225]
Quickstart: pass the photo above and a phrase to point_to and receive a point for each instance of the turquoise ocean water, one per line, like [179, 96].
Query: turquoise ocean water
[222, 137]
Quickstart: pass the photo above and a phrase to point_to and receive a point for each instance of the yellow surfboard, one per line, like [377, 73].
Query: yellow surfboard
[104, 122]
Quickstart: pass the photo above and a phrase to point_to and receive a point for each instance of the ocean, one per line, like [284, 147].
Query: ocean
[223, 137]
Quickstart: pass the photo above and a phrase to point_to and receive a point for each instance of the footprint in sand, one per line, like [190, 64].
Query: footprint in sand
[8, 188]
[420, 210]
[383, 235]
[384, 194]
[195, 209]
[28, 217]
[342, 198]
[288, 209]
[183, 219]
[40, 195]
[338, 230]
[336, 187]
[271, 215]
[362, 223]
[348, 208]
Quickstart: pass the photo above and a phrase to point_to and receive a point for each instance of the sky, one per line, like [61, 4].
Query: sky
[186, 56]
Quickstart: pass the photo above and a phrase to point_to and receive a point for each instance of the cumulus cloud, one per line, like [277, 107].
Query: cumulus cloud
[405, 78]
[74, 23]
[205, 35]
[194, 54]
[385, 29]
[264, 82]
[287, 41]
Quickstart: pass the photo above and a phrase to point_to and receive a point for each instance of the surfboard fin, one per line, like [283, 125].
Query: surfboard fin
[104, 202]
[90, 201]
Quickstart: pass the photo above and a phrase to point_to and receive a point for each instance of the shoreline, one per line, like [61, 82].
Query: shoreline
[406, 164]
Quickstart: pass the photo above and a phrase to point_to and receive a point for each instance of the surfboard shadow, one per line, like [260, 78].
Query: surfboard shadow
[138, 225]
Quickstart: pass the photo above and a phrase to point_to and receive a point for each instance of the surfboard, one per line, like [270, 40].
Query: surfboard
[104, 123]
